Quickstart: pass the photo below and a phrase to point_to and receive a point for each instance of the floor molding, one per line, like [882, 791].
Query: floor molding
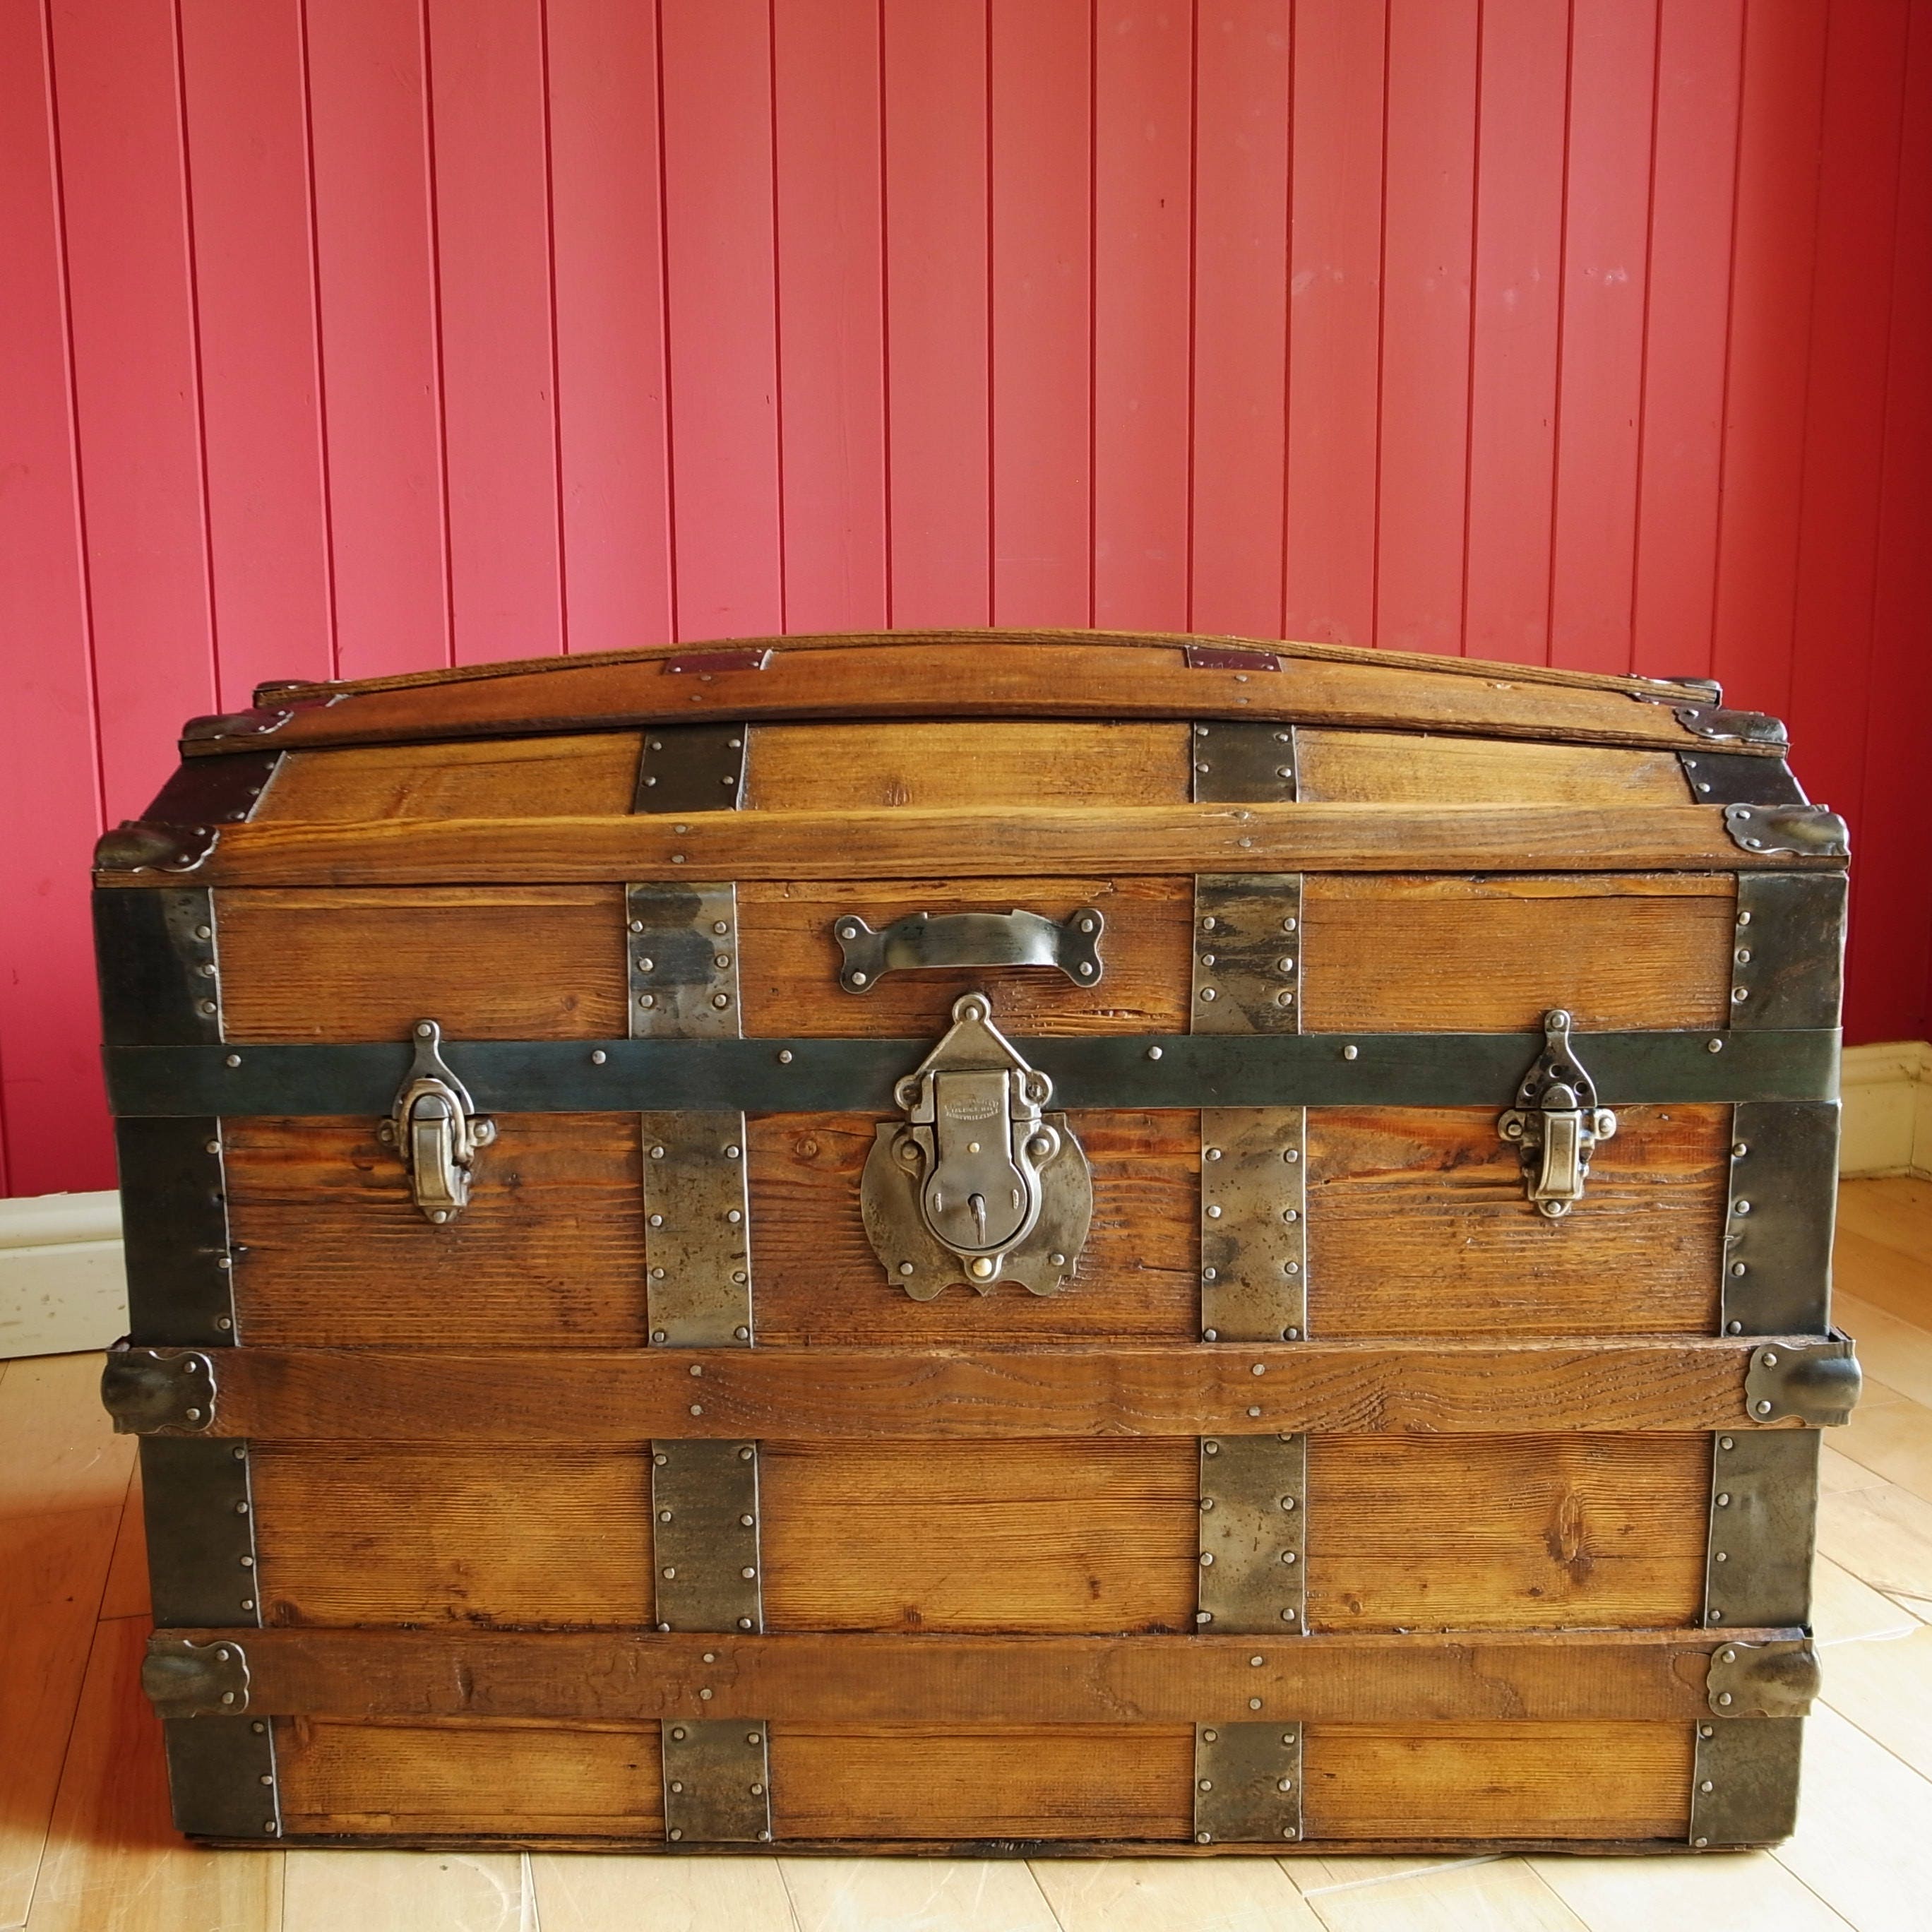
[1888, 1118]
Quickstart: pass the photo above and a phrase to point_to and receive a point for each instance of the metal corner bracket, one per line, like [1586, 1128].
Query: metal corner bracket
[141, 845]
[151, 1391]
[1778, 1679]
[1816, 1383]
[1808, 831]
[186, 1679]
[1717, 724]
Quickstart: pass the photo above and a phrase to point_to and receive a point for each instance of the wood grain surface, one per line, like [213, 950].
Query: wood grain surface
[1335, 767]
[589, 772]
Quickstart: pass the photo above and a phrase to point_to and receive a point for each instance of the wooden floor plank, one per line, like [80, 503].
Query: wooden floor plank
[113, 1862]
[1881, 1533]
[1894, 1350]
[1896, 1212]
[914, 1895]
[403, 1892]
[57, 1450]
[126, 1592]
[1845, 1610]
[1317, 1874]
[1740, 1892]
[1168, 1895]
[1885, 1687]
[618, 1894]
[1498, 1895]
[1892, 1435]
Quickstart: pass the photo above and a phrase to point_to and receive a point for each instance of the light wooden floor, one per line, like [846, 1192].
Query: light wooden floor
[85, 1846]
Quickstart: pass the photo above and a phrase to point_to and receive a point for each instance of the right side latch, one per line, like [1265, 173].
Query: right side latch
[1556, 1122]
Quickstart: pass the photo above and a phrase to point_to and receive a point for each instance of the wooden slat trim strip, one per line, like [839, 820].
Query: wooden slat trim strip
[1143, 841]
[622, 1677]
[981, 677]
[1349, 1387]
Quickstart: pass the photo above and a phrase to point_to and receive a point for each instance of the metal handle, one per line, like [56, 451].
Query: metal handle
[1015, 938]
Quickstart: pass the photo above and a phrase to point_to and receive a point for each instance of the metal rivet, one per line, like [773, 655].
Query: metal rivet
[1203, 1616]
[784, 1056]
[696, 1409]
[1707, 1730]
[1255, 1662]
[1724, 1697]
[1153, 1053]
[1351, 1052]
[645, 965]
[743, 1334]
[1203, 1784]
[657, 1153]
[1290, 1334]
[1210, 1334]
[1713, 1046]
[1254, 1414]
[1727, 1442]
[721, 999]
[597, 1058]
[1724, 1500]
[1287, 1502]
[1207, 1559]
[1204, 1837]
[706, 1695]
[224, 1321]
[637, 925]
[1290, 1154]
[193, 1415]
[1700, 1843]
[861, 979]
[1210, 1448]
[1259, 1369]
[1254, 1703]
[1209, 993]
[721, 926]
[745, 1455]
[1214, 1213]
[234, 1060]
[748, 1572]
[697, 1368]
[1771, 1358]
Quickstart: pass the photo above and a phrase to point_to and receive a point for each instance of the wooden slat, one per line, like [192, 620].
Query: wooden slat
[627, 1677]
[982, 677]
[1637, 1383]
[1386, 767]
[981, 843]
[491, 777]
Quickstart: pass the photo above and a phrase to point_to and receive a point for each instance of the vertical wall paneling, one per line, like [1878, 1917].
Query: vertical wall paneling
[1600, 372]
[1522, 122]
[1699, 52]
[829, 167]
[937, 337]
[488, 116]
[137, 382]
[53, 1123]
[1241, 160]
[1334, 342]
[1429, 196]
[1041, 144]
[720, 245]
[248, 175]
[1143, 203]
[382, 376]
[613, 458]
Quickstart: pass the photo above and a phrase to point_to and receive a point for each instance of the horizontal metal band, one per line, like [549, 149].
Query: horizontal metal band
[1221, 1389]
[1126, 1071]
[630, 1676]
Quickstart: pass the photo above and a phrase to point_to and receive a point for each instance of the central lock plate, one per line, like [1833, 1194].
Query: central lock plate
[978, 1183]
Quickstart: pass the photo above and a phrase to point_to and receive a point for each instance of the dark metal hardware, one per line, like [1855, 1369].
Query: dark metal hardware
[780, 1075]
[704, 1535]
[681, 955]
[1783, 1201]
[147, 1389]
[1243, 761]
[1254, 1490]
[918, 943]
[717, 1782]
[1809, 831]
[1777, 1679]
[1736, 778]
[978, 1183]
[200, 1517]
[214, 791]
[134, 845]
[1229, 657]
[222, 1780]
[1247, 953]
[1764, 1513]
[692, 768]
[1247, 1783]
[702, 664]
[434, 1126]
[260, 720]
[1787, 959]
[1817, 1382]
[174, 1220]
[185, 1679]
[159, 970]
[1254, 1228]
[697, 1235]
[1556, 1121]
[1743, 1781]
[1720, 726]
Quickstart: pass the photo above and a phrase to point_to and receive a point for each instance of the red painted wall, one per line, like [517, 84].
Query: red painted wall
[355, 336]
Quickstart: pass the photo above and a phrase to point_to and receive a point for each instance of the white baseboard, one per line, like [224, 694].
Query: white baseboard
[62, 1286]
[1888, 1118]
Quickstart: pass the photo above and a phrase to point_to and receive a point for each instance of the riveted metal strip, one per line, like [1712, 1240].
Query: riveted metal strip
[223, 1780]
[145, 1389]
[1775, 1678]
[1807, 831]
[1254, 1492]
[174, 1220]
[161, 975]
[683, 960]
[1816, 1383]
[692, 768]
[1247, 953]
[697, 1252]
[1243, 762]
[200, 1516]
[704, 1515]
[1254, 1230]
[1783, 1203]
[1787, 963]
[1743, 1781]
[717, 1784]
[1247, 1783]
[1735, 778]
[1764, 1520]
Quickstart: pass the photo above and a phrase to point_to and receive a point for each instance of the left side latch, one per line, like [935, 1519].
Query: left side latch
[1556, 1122]
[435, 1128]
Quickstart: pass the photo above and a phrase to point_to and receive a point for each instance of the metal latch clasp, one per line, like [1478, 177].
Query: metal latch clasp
[977, 1179]
[1556, 1121]
[437, 1129]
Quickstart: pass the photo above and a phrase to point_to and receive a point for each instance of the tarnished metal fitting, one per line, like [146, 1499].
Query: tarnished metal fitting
[435, 1128]
[186, 1679]
[1763, 1680]
[1817, 1382]
[148, 1391]
[143, 845]
[1808, 831]
[1556, 1121]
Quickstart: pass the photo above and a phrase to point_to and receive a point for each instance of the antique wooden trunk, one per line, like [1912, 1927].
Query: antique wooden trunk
[980, 1241]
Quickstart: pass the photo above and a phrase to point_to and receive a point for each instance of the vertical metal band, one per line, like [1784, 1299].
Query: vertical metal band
[1736, 778]
[223, 1780]
[160, 970]
[1743, 1781]
[200, 1511]
[1763, 1525]
[704, 1534]
[1253, 1492]
[1247, 953]
[683, 960]
[174, 1214]
[1240, 761]
[1787, 962]
[1782, 1204]
[697, 1252]
[717, 1782]
[692, 768]
[1247, 1783]
[1254, 1231]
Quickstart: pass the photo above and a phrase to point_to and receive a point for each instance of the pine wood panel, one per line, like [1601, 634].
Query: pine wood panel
[1494, 954]
[862, 767]
[1388, 767]
[815, 1278]
[905, 1781]
[332, 1251]
[509, 778]
[1480, 1780]
[521, 1781]
[1417, 1225]
[520, 962]
[556, 1539]
[788, 977]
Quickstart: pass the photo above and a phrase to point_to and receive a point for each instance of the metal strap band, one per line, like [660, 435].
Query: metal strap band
[1787, 963]
[174, 1218]
[1254, 1241]
[1254, 1493]
[717, 1783]
[1764, 1523]
[692, 768]
[704, 1535]
[1782, 1203]
[1247, 1783]
[1129, 1072]
[200, 1510]
[1247, 953]
[1743, 1781]
[1240, 761]
[160, 976]
[223, 1780]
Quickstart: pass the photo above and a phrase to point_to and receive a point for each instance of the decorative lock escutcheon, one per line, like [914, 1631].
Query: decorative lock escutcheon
[978, 1183]
[1556, 1122]
[435, 1128]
